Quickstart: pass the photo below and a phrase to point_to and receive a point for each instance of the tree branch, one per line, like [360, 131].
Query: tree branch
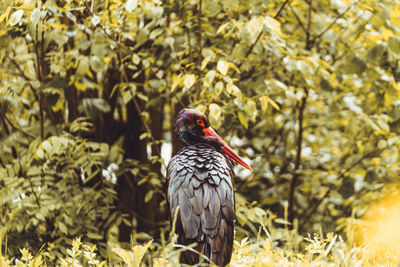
[281, 8]
[5, 125]
[187, 31]
[308, 33]
[199, 14]
[33, 191]
[17, 128]
[330, 25]
[39, 70]
[254, 44]
[299, 21]
[296, 173]
[22, 74]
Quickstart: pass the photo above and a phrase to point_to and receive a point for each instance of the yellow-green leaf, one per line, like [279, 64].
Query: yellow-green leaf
[177, 81]
[189, 80]
[254, 27]
[243, 119]
[138, 252]
[16, 17]
[273, 24]
[208, 79]
[233, 90]
[131, 5]
[215, 115]
[223, 66]
[265, 100]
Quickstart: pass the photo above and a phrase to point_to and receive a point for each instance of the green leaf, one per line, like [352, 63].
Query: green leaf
[215, 115]
[254, 27]
[148, 196]
[223, 66]
[16, 17]
[189, 80]
[131, 5]
[233, 90]
[265, 100]
[62, 228]
[94, 236]
[273, 24]
[208, 79]
[394, 43]
[92, 106]
[243, 119]
[35, 16]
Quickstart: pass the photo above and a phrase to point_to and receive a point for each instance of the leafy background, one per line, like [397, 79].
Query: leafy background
[306, 91]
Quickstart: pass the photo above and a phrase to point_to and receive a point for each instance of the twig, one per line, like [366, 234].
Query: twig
[309, 21]
[299, 21]
[187, 31]
[296, 174]
[33, 191]
[199, 15]
[39, 70]
[281, 8]
[17, 66]
[5, 125]
[17, 128]
[330, 25]
[254, 44]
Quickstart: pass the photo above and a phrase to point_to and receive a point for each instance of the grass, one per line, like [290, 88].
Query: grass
[318, 250]
[373, 240]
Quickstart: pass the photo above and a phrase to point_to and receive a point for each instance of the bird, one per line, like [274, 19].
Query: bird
[200, 190]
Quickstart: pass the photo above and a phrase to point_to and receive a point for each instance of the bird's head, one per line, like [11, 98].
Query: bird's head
[192, 127]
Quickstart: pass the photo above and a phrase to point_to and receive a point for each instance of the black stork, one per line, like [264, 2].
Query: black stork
[200, 183]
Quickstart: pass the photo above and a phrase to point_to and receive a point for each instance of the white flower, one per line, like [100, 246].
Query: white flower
[113, 167]
[109, 173]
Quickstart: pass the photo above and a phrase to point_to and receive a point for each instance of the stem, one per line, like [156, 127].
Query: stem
[5, 125]
[39, 70]
[299, 20]
[308, 33]
[199, 45]
[33, 191]
[17, 128]
[254, 44]
[199, 15]
[330, 25]
[281, 8]
[296, 173]
[187, 30]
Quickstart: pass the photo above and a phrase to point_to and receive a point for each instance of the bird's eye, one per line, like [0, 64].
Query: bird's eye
[200, 123]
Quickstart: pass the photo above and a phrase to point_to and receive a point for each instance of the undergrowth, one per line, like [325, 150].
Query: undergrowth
[317, 250]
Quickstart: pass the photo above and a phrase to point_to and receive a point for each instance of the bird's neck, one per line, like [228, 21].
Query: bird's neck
[188, 138]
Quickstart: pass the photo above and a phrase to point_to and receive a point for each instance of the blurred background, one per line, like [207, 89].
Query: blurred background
[305, 91]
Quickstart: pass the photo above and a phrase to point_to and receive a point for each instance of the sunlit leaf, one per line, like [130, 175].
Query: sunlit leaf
[223, 66]
[189, 80]
[16, 17]
[131, 5]
[215, 115]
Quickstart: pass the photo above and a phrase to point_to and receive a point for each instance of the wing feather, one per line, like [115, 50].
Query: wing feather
[199, 182]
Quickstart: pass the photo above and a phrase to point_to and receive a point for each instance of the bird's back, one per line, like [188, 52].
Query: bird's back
[200, 183]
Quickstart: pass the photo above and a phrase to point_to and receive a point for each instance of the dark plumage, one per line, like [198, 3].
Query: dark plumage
[200, 183]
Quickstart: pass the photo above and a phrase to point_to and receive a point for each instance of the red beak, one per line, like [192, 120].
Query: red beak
[210, 132]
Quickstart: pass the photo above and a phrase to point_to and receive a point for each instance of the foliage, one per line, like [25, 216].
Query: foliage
[307, 90]
[319, 250]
